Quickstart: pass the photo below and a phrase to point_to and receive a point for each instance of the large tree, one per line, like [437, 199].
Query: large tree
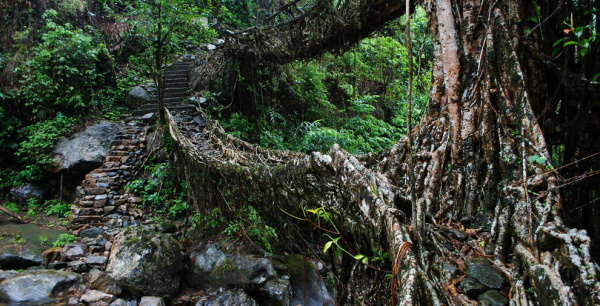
[479, 157]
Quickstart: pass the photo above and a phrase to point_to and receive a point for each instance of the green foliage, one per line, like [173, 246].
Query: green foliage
[12, 206]
[160, 192]
[63, 240]
[43, 240]
[537, 159]
[158, 29]
[54, 207]
[234, 14]
[34, 152]
[356, 99]
[580, 37]
[17, 239]
[249, 223]
[66, 68]
[245, 222]
[321, 214]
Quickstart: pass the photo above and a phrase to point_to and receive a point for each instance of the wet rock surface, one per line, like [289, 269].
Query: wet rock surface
[213, 268]
[96, 296]
[152, 301]
[21, 245]
[307, 283]
[101, 281]
[84, 151]
[37, 286]
[30, 191]
[146, 262]
[229, 297]
[137, 97]
[471, 287]
[275, 292]
[493, 298]
[484, 272]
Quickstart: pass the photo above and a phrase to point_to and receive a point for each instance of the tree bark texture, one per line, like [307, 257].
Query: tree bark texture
[472, 166]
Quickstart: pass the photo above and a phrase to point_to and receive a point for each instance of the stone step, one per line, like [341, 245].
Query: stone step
[183, 85]
[177, 95]
[176, 79]
[178, 72]
[176, 90]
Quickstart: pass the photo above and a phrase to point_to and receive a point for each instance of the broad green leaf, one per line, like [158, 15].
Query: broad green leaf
[572, 42]
[359, 256]
[327, 246]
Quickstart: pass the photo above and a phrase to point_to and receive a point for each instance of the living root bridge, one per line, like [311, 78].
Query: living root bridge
[225, 172]
[473, 165]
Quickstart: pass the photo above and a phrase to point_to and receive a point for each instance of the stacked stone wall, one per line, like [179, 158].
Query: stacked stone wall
[102, 197]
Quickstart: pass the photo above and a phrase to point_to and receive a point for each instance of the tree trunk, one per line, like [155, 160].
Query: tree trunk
[477, 163]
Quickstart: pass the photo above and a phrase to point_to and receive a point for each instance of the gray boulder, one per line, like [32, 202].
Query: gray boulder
[484, 271]
[82, 152]
[213, 268]
[101, 281]
[4, 274]
[276, 292]
[307, 284]
[229, 297]
[30, 191]
[38, 286]
[146, 262]
[137, 97]
[152, 301]
[97, 297]
[119, 302]
[91, 232]
[493, 298]
[73, 251]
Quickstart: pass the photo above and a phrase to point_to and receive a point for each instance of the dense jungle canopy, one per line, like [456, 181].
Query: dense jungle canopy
[505, 92]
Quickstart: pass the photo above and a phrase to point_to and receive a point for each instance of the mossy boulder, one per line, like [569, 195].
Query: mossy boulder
[146, 262]
[215, 266]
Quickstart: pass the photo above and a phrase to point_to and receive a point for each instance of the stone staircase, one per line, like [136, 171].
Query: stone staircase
[176, 89]
[102, 198]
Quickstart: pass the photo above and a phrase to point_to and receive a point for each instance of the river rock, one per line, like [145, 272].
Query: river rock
[493, 298]
[30, 191]
[471, 287]
[229, 297]
[137, 97]
[82, 152]
[91, 232]
[73, 251]
[307, 284]
[119, 302]
[101, 281]
[484, 271]
[95, 260]
[4, 274]
[37, 286]
[457, 234]
[213, 268]
[78, 266]
[96, 296]
[146, 262]
[152, 301]
[275, 292]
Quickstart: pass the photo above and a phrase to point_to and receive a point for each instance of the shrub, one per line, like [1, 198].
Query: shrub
[63, 240]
